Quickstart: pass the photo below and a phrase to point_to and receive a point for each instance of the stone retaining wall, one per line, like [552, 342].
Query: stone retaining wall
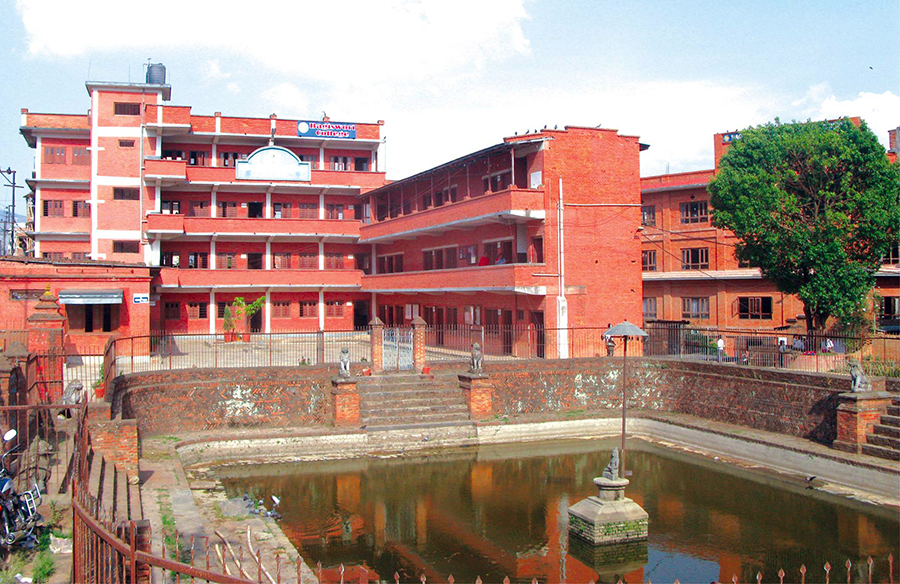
[209, 399]
[799, 404]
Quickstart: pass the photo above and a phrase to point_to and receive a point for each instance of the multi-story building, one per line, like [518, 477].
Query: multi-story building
[224, 206]
[540, 229]
[690, 271]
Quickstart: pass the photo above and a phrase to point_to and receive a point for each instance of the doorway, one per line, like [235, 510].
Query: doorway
[256, 322]
[536, 319]
[506, 331]
[255, 210]
[360, 314]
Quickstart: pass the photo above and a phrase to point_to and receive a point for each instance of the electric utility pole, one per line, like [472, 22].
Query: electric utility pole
[12, 184]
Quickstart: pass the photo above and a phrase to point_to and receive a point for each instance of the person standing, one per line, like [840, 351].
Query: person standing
[720, 347]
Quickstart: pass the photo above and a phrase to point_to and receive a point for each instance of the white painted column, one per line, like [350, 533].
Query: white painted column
[95, 208]
[212, 208]
[322, 158]
[321, 310]
[157, 202]
[212, 254]
[152, 253]
[215, 154]
[211, 312]
[268, 309]
[321, 255]
[267, 211]
[268, 259]
[322, 205]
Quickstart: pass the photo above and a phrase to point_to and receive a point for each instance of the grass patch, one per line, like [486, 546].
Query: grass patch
[43, 567]
[574, 413]
[15, 564]
[170, 438]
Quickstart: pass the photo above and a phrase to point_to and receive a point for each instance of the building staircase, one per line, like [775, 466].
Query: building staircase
[884, 440]
[409, 410]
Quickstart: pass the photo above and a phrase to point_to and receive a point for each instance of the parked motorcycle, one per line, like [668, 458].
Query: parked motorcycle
[18, 512]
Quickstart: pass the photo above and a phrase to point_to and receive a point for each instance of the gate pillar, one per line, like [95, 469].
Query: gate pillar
[376, 338]
[418, 325]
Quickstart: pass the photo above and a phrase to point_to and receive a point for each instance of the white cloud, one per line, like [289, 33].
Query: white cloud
[881, 111]
[233, 87]
[355, 41]
[214, 71]
[287, 100]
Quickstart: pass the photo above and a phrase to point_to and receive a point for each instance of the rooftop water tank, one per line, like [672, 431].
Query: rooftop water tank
[156, 74]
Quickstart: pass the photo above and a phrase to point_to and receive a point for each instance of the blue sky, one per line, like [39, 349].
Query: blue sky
[449, 77]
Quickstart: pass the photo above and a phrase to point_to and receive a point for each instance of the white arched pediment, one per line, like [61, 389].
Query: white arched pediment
[273, 163]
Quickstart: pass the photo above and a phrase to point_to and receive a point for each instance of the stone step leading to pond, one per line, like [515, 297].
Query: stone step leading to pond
[404, 401]
[884, 440]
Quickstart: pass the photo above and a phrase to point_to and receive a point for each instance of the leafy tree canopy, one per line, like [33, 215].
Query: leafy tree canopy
[815, 206]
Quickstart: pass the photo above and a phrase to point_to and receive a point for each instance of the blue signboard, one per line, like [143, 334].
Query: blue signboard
[326, 130]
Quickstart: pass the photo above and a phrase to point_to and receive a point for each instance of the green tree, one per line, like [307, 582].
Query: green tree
[815, 206]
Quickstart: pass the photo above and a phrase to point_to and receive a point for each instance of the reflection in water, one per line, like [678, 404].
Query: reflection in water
[501, 511]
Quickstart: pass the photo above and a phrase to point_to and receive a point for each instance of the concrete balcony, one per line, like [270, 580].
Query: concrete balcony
[503, 279]
[512, 205]
[354, 178]
[166, 171]
[170, 227]
[202, 280]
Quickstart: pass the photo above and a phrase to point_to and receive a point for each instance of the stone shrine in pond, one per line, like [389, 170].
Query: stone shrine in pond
[610, 517]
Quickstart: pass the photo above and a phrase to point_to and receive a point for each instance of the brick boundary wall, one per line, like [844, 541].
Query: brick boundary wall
[798, 404]
[212, 399]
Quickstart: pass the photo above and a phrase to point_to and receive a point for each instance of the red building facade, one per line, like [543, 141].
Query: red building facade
[690, 271]
[537, 230]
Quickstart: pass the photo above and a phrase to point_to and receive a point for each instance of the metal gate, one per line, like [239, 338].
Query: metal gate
[397, 349]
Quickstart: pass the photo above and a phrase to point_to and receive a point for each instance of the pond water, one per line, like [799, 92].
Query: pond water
[502, 511]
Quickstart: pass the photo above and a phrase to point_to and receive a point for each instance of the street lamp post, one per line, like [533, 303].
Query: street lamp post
[624, 330]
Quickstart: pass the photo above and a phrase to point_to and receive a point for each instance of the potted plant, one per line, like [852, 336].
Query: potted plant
[243, 312]
[228, 325]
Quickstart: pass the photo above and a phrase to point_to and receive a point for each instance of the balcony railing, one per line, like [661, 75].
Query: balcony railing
[511, 203]
[155, 167]
[506, 278]
[206, 278]
[181, 224]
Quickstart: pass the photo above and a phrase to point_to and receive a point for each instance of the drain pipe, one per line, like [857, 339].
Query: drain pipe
[562, 308]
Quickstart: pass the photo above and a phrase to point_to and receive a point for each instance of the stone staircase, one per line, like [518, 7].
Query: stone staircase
[111, 486]
[409, 410]
[884, 440]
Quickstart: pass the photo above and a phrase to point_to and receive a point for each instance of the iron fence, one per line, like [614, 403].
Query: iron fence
[184, 351]
[815, 353]
[510, 343]
[111, 549]
[819, 353]
[42, 451]
[864, 572]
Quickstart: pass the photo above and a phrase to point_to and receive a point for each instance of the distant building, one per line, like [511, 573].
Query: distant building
[690, 271]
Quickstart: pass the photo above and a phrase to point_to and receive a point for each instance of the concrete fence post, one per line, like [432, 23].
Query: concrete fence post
[418, 325]
[376, 338]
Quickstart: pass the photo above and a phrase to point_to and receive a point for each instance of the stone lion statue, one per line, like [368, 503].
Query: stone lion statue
[612, 469]
[859, 381]
[344, 370]
[477, 361]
